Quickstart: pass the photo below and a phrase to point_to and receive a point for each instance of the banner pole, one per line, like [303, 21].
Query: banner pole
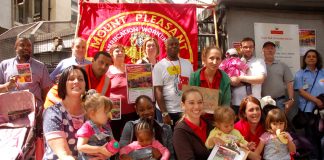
[215, 24]
[78, 19]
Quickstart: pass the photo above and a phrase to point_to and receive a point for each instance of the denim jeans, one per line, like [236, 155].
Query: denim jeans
[281, 103]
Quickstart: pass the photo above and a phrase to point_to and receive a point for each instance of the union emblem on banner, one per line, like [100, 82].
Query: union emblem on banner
[104, 24]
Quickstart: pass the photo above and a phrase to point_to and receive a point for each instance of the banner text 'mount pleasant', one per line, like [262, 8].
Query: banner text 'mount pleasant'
[100, 34]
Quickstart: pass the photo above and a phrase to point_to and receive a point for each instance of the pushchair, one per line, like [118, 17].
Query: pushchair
[17, 125]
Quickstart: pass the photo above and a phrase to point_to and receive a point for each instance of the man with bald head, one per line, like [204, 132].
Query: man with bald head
[279, 81]
[40, 82]
[77, 58]
[169, 75]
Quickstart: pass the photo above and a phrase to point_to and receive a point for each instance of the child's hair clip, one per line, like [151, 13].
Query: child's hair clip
[91, 92]
[88, 93]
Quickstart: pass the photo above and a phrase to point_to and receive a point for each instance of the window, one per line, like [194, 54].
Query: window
[37, 15]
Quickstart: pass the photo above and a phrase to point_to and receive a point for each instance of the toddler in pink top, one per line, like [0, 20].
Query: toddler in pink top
[233, 65]
[95, 135]
[276, 143]
[146, 147]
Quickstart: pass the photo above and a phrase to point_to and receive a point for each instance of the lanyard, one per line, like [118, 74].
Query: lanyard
[174, 67]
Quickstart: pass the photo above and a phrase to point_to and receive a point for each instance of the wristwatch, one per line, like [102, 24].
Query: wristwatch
[164, 114]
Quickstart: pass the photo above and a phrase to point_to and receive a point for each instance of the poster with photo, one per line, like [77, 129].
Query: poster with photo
[116, 109]
[24, 73]
[139, 81]
[237, 46]
[307, 40]
[227, 153]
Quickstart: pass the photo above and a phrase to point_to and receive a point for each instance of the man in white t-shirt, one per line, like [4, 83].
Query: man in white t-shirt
[255, 76]
[169, 75]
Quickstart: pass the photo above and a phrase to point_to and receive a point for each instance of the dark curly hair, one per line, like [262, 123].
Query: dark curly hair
[319, 63]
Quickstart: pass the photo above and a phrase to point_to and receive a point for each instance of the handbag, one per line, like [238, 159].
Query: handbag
[320, 114]
[320, 111]
[301, 119]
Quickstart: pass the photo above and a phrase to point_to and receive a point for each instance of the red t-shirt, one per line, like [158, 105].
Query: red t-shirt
[200, 131]
[244, 127]
[119, 90]
[94, 81]
[216, 80]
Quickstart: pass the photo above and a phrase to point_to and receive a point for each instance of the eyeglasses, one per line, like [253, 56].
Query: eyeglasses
[248, 47]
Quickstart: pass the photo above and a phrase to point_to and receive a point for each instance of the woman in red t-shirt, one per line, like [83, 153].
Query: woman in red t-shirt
[117, 75]
[190, 133]
[251, 120]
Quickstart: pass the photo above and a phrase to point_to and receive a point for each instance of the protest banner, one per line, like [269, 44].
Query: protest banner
[104, 24]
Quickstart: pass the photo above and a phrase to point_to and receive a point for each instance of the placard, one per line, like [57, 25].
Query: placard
[24, 73]
[210, 97]
[139, 81]
[237, 46]
[116, 109]
[228, 153]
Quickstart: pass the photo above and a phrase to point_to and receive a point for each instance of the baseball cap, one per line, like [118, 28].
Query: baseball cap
[232, 51]
[268, 43]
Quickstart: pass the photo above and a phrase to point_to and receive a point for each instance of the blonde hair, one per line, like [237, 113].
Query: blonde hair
[156, 45]
[207, 50]
[115, 46]
[275, 115]
[92, 101]
[224, 114]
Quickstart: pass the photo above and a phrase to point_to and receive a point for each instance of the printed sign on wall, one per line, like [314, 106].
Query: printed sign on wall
[286, 38]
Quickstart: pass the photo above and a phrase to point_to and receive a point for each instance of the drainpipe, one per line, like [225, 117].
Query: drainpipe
[49, 10]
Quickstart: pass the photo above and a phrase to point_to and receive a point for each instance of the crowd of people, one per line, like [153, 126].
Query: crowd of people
[77, 100]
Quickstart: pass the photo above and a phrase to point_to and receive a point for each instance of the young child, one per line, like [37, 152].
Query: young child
[224, 132]
[95, 135]
[233, 65]
[146, 146]
[276, 143]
